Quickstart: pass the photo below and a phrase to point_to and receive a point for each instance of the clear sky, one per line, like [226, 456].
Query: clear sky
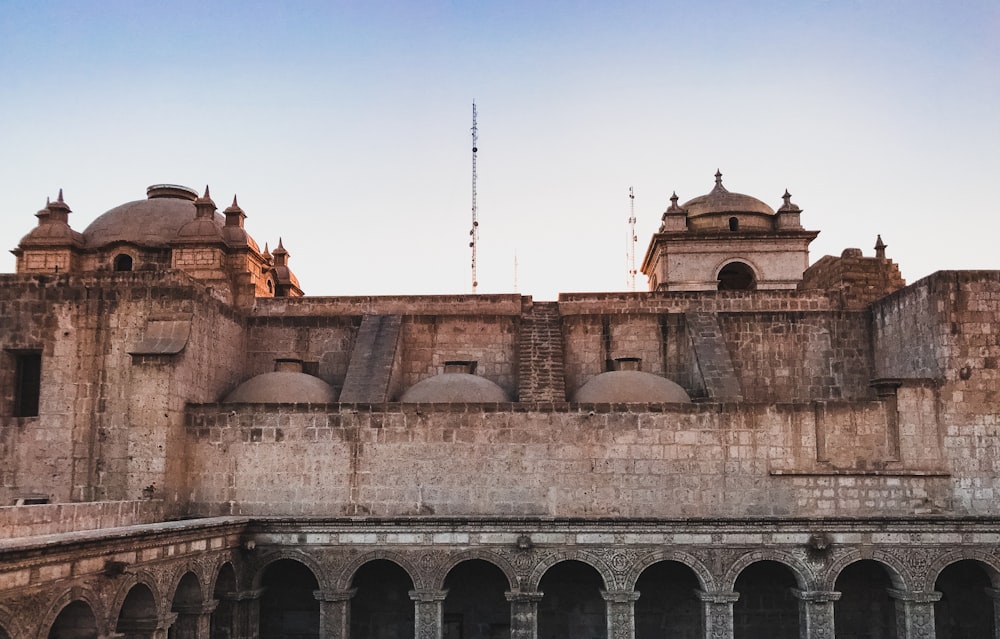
[344, 126]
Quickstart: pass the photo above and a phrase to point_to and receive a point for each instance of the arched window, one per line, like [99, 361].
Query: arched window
[737, 276]
[123, 262]
[734, 224]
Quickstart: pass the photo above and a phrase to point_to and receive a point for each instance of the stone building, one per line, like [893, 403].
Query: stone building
[756, 447]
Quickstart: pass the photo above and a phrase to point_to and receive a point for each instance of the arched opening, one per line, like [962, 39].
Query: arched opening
[737, 276]
[137, 619]
[224, 616]
[381, 608]
[667, 605]
[123, 262]
[865, 609]
[187, 604]
[476, 607]
[75, 621]
[572, 605]
[965, 609]
[766, 607]
[734, 224]
[288, 607]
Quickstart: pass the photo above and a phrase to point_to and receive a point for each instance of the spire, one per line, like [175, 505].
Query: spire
[280, 255]
[59, 210]
[205, 206]
[880, 247]
[718, 183]
[234, 214]
[60, 198]
[266, 254]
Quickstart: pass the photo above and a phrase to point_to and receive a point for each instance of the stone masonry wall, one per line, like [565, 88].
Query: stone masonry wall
[573, 460]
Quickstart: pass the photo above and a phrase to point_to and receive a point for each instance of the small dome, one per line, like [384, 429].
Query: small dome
[720, 200]
[631, 386]
[282, 387]
[454, 388]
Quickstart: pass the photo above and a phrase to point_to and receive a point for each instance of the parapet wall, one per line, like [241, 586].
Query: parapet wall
[571, 460]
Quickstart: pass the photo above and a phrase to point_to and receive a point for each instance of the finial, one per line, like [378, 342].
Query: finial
[235, 205]
[880, 247]
[718, 177]
[280, 246]
[48, 201]
[787, 197]
[60, 198]
[673, 198]
[206, 196]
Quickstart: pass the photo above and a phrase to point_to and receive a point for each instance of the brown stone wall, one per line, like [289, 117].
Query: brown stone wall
[322, 343]
[572, 461]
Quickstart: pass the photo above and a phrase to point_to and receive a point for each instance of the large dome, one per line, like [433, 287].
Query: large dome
[282, 387]
[454, 388]
[153, 222]
[720, 200]
[629, 387]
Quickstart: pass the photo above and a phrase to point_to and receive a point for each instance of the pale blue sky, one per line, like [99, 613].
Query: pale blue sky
[344, 126]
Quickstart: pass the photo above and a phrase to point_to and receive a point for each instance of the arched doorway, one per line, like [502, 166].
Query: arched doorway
[965, 609]
[572, 605]
[288, 607]
[381, 608]
[737, 276]
[865, 609]
[137, 618]
[766, 607]
[224, 616]
[188, 605]
[667, 604]
[75, 621]
[476, 607]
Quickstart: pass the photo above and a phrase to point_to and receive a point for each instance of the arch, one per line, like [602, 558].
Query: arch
[499, 562]
[736, 275]
[343, 582]
[766, 605]
[181, 573]
[989, 563]
[668, 603]
[123, 262]
[129, 581]
[605, 572]
[965, 608]
[278, 554]
[224, 618]
[898, 574]
[865, 607]
[705, 578]
[74, 595]
[75, 620]
[288, 605]
[734, 223]
[572, 604]
[804, 577]
[138, 610]
[476, 600]
[382, 604]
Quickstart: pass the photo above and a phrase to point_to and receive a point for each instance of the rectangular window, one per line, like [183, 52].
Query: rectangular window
[27, 383]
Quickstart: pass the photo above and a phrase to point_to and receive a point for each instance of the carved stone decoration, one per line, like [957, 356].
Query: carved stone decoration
[816, 613]
[915, 613]
[428, 617]
[523, 614]
[717, 608]
[621, 613]
[335, 613]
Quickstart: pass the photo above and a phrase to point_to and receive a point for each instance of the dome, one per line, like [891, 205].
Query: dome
[153, 222]
[630, 386]
[282, 387]
[720, 200]
[455, 388]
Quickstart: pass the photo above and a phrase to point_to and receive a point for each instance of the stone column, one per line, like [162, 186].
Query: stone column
[428, 617]
[523, 614]
[717, 608]
[914, 613]
[994, 594]
[147, 627]
[194, 621]
[621, 613]
[815, 613]
[335, 613]
[246, 616]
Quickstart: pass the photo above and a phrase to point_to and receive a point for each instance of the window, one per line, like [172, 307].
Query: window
[27, 383]
[123, 262]
[734, 224]
[736, 276]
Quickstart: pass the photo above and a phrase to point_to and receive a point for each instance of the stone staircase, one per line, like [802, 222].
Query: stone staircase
[712, 354]
[370, 370]
[541, 367]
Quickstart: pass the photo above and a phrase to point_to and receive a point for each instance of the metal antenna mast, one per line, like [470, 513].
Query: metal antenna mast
[474, 233]
[630, 243]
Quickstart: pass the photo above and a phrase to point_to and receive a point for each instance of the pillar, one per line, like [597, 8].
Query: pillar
[428, 615]
[621, 613]
[147, 628]
[194, 621]
[994, 594]
[523, 614]
[335, 613]
[246, 616]
[815, 613]
[914, 613]
[717, 608]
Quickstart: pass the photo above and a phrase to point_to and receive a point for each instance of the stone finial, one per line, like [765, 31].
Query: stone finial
[788, 204]
[718, 177]
[280, 254]
[205, 206]
[44, 215]
[266, 254]
[234, 214]
[673, 202]
[59, 210]
[880, 247]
